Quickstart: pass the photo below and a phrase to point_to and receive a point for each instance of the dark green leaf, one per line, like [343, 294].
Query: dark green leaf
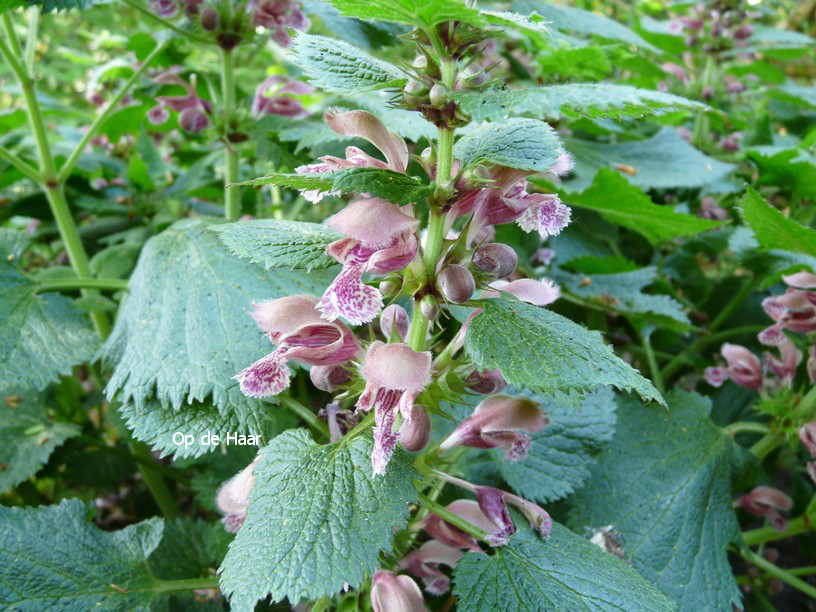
[772, 229]
[665, 486]
[317, 519]
[539, 349]
[379, 183]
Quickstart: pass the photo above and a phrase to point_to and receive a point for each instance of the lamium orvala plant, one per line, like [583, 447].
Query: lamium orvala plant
[518, 312]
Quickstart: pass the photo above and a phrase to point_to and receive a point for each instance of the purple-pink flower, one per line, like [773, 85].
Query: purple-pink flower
[794, 310]
[425, 561]
[294, 324]
[233, 497]
[395, 593]
[275, 97]
[767, 502]
[380, 239]
[193, 111]
[395, 375]
[499, 422]
[277, 16]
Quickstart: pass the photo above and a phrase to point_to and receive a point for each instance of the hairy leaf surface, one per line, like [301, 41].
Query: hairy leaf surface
[772, 229]
[317, 519]
[543, 351]
[565, 573]
[665, 486]
[336, 66]
[527, 144]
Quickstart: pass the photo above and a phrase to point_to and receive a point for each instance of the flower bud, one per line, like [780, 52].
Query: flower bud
[456, 283]
[413, 92]
[414, 434]
[192, 120]
[429, 308]
[394, 318]
[498, 260]
[767, 502]
[439, 94]
[486, 382]
[329, 377]
[393, 593]
[742, 32]
[209, 19]
[388, 287]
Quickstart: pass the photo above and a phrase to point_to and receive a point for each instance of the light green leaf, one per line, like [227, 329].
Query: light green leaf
[320, 181]
[665, 486]
[565, 573]
[572, 99]
[564, 451]
[534, 24]
[772, 229]
[380, 183]
[27, 436]
[793, 169]
[664, 161]
[422, 13]
[336, 66]
[42, 336]
[317, 519]
[279, 244]
[545, 352]
[526, 144]
[620, 202]
[54, 558]
[185, 330]
[579, 21]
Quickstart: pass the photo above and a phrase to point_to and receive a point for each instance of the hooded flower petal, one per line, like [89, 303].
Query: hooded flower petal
[767, 502]
[373, 222]
[486, 382]
[744, 367]
[393, 593]
[786, 364]
[233, 497]
[499, 421]
[362, 124]
[450, 535]
[801, 280]
[537, 292]
[425, 561]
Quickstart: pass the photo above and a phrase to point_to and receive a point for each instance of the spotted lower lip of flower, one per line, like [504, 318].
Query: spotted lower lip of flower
[395, 375]
[425, 561]
[233, 497]
[547, 215]
[380, 240]
[294, 324]
[393, 593]
[499, 422]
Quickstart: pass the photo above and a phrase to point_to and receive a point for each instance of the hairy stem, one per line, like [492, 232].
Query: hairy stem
[154, 480]
[452, 518]
[780, 573]
[232, 194]
[187, 584]
[795, 526]
[747, 426]
[67, 284]
[657, 377]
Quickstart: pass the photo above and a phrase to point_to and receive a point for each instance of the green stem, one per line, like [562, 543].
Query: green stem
[22, 166]
[795, 526]
[453, 519]
[307, 415]
[748, 286]
[68, 166]
[31, 38]
[187, 584]
[767, 443]
[651, 360]
[153, 479]
[170, 26]
[67, 284]
[232, 194]
[780, 573]
[747, 426]
[434, 242]
[701, 120]
[12, 37]
[419, 329]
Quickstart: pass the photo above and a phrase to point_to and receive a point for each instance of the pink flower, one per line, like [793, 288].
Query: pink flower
[425, 561]
[715, 376]
[277, 15]
[278, 103]
[295, 326]
[381, 239]
[801, 280]
[743, 366]
[486, 382]
[537, 292]
[451, 535]
[193, 111]
[767, 502]
[394, 319]
[794, 310]
[358, 124]
[807, 434]
[164, 8]
[499, 421]
[811, 364]
[395, 375]
[785, 366]
[233, 497]
[675, 70]
[393, 593]
[493, 502]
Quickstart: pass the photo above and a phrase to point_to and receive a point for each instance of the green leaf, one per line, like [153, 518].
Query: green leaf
[317, 519]
[526, 144]
[54, 558]
[42, 336]
[422, 13]
[772, 229]
[564, 451]
[320, 181]
[545, 352]
[578, 21]
[665, 486]
[565, 573]
[48, 6]
[27, 436]
[189, 548]
[587, 62]
[623, 292]
[279, 244]
[664, 161]
[572, 99]
[793, 169]
[620, 202]
[336, 66]
[380, 183]
[533, 24]
[185, 330]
